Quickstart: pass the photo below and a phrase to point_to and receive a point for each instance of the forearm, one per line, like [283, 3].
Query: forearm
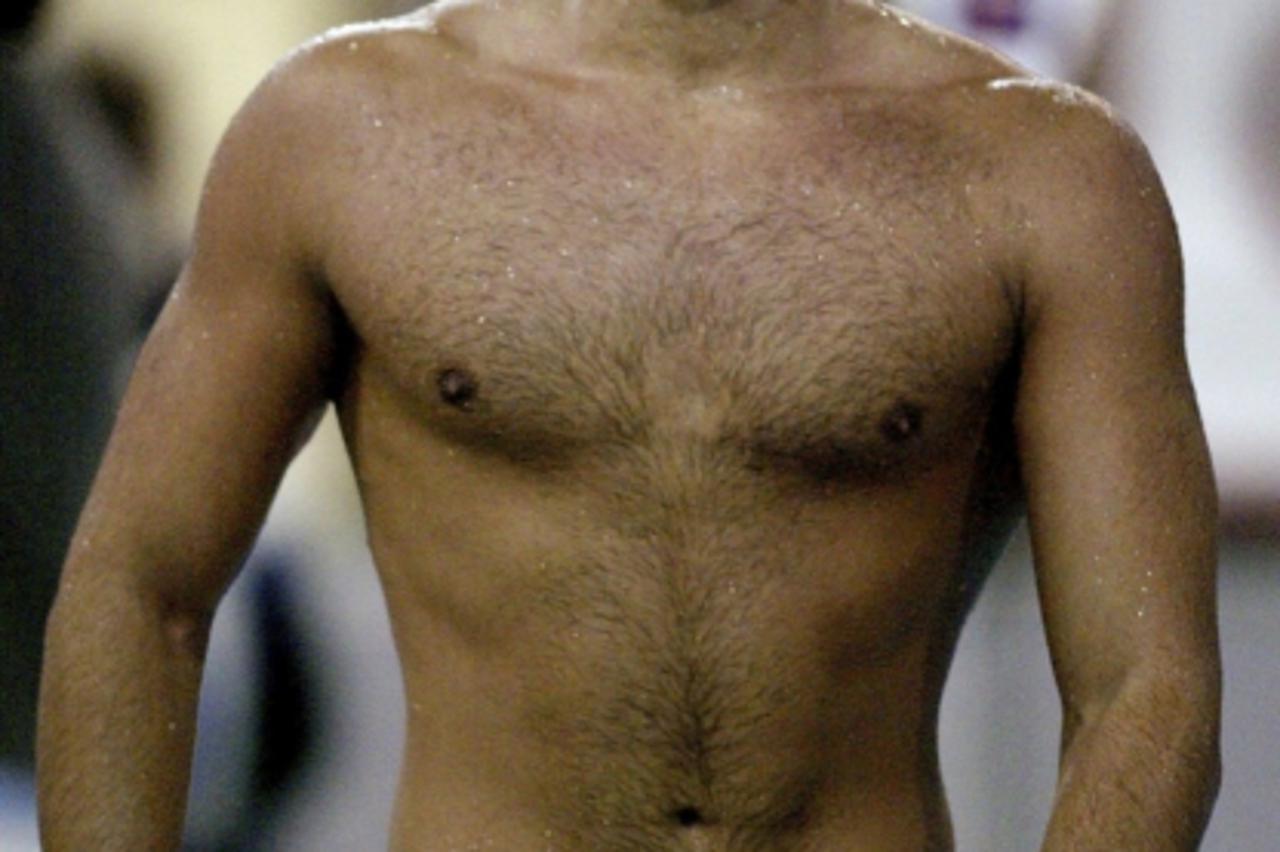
[117, 719]
[1143, 773]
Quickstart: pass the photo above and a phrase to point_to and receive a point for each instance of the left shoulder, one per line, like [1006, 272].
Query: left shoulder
[1076, 187]
[1052, 127]
[1039, 139]
[1091, 232]
[1065, 153]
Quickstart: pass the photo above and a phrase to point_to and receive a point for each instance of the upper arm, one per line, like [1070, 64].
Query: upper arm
[238, 366]
[1120, 493]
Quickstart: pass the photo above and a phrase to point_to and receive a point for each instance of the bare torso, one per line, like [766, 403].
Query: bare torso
[682, 348]
[681, 419]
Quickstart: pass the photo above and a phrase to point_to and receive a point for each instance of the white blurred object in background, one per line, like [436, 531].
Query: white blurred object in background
[1194, 79]
[1055, 38]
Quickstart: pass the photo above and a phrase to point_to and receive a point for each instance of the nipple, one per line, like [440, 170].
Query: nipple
[902, 423]
[457, 388]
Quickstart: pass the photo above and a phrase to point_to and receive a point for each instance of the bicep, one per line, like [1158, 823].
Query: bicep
[234, 372]
[1120, 494]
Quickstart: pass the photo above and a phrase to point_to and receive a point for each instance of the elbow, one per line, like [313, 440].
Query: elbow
[104, 608]
[1152, 738]
[1171, 708]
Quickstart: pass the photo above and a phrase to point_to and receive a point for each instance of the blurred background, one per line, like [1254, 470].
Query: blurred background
[109, 113]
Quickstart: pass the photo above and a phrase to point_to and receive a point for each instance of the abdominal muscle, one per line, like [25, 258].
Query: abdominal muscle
[590, 666]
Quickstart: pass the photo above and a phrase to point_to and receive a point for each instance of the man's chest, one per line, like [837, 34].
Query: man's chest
[832, 308]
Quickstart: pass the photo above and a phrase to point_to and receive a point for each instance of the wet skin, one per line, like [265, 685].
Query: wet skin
[679, 425]
[673, 456]
[685, 414]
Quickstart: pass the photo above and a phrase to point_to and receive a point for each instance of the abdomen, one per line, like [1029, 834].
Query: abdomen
[622, 664]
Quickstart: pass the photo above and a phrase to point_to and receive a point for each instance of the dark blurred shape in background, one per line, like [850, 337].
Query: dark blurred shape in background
[72, 147]
[17, 18]
[56, 331]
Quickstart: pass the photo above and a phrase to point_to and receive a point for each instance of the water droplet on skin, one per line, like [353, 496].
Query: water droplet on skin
[729, 93]
[377, 122]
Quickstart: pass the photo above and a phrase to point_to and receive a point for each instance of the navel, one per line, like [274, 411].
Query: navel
[688, 817]
[457, 388]
[902, 423]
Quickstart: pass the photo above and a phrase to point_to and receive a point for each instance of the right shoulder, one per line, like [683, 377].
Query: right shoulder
[327, 81]
[310, 124]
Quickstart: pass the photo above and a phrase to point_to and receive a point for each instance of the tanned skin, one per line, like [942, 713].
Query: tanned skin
[695, 361]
